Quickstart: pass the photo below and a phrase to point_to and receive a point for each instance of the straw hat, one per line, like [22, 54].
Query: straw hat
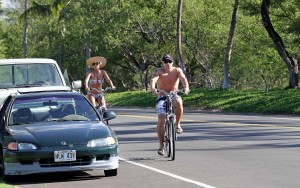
[96, 59]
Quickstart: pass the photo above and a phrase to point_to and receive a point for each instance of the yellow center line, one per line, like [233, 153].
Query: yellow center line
[138, 116]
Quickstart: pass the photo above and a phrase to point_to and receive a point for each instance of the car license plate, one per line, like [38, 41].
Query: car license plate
[65, 155]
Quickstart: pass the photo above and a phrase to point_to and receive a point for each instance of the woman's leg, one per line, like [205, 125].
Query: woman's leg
[92, 99]
[103, 101]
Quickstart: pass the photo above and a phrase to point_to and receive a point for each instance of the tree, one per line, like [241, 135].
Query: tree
[54, 13]
[2, 33]
[141, 33]
[229, 44]
[291, 62]
[25, 35]
[178, 37]
[134, 34]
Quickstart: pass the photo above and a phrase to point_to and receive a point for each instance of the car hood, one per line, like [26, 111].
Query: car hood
[53, 133]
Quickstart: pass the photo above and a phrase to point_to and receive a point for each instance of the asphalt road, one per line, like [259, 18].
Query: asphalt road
[215, 150]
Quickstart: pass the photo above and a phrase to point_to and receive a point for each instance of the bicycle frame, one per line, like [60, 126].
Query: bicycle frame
[101, 109]
[170, 129]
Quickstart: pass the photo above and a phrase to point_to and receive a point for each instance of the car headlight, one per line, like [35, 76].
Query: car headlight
[21, 146]
[101, 142]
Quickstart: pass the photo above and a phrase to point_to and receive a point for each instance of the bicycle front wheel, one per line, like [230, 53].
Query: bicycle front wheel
[172, 138]
[167, 138]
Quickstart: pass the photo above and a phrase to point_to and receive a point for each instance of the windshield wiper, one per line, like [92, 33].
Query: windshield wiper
[28, 85]
[62, 120]
[22, 123]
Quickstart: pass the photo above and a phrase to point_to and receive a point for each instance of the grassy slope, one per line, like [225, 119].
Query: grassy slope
[271, 102]
[3, 185]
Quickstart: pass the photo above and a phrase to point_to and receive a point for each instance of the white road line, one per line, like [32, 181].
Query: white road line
[168, 174]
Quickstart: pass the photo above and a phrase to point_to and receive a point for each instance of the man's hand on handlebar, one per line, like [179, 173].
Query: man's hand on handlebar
[154, 91]
[162, 92]
[186, 91]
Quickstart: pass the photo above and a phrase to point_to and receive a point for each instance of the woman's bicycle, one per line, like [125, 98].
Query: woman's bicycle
[105, 114]
[170, 123]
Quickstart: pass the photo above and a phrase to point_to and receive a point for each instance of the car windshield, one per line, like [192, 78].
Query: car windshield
[41, 108]
[26, 75]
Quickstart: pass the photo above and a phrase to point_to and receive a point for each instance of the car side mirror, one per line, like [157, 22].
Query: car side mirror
[76, 84]
[108, 115]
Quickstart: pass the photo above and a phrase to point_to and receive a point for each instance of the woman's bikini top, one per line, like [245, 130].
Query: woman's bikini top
[101, 81]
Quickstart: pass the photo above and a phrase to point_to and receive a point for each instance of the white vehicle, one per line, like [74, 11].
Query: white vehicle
[32, 74]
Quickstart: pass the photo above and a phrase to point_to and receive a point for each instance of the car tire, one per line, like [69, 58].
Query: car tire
[112, 172]
[1, 166]
[4, 178]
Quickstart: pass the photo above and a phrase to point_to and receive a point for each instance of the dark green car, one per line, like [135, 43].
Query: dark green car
[54, 131]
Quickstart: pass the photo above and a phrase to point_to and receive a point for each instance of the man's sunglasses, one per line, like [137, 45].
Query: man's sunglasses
[96, 63]
[167, 61]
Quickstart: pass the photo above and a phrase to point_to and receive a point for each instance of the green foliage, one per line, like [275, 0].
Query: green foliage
[2, 40]
[3, 185]
[134, 34]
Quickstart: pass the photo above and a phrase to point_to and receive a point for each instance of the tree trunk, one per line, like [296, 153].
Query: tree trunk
[25, 36]
[61, 56]
[229, 45]
[179, 51]
[88, 51]
[88, 48]
[291, 63]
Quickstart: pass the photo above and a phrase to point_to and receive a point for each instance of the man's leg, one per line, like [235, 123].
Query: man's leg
[161, 130]
[178, 111]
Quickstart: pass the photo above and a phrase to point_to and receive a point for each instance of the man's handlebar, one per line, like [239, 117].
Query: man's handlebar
[157, 91]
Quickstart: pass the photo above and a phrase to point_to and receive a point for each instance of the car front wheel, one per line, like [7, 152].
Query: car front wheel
[1, 166]
[3, 177]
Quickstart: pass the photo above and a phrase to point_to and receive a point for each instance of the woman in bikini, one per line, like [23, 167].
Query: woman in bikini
[95, 79]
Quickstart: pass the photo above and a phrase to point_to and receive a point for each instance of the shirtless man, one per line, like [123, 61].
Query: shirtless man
[167, 78]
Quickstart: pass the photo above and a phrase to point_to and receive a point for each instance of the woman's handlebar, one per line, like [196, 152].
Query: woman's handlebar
[102, 90]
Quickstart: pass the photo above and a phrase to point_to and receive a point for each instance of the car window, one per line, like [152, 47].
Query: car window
[31, 74]
[51, 108]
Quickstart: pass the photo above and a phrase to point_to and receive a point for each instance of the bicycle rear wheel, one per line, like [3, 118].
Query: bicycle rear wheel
[172, 138]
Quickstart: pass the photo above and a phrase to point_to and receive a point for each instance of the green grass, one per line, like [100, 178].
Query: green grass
[265, 102]
[3, 185]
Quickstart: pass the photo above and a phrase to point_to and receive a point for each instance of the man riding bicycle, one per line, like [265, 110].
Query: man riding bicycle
[167, 78]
